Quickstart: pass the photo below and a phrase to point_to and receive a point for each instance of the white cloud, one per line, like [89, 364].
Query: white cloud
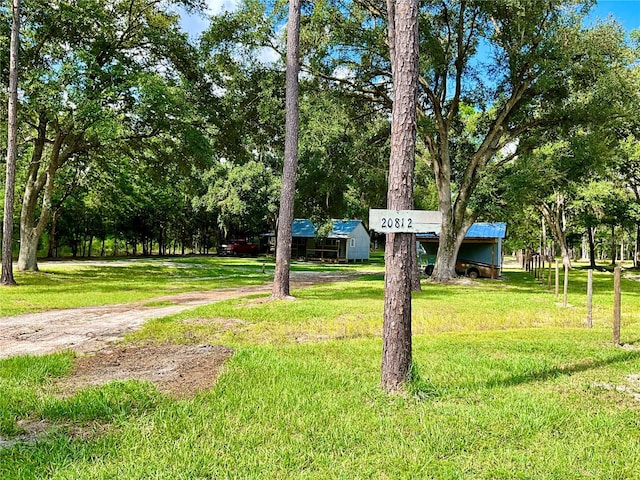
[268, 55]
[344, 73]
[216, 7]
[195, 24]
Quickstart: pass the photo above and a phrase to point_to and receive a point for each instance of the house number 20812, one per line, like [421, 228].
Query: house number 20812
[396, 222]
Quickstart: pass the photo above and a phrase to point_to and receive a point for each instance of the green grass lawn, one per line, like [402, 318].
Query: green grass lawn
[507, 384]
[83, 283]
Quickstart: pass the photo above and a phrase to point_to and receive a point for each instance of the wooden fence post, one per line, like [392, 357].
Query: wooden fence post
[539, 266]
[549, 279]
[590, 298]
[617, 273]
[557, 280]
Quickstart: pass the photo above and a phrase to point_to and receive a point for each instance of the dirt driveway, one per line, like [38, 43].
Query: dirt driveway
[90, 329]
[180, 371]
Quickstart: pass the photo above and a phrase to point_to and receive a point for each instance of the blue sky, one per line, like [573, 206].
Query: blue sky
[627, 12]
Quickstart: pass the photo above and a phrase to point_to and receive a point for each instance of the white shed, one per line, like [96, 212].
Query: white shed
[348, 241]
[355, 239]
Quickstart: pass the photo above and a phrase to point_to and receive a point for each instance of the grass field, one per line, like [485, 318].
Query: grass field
[85, 283]
[507, 384]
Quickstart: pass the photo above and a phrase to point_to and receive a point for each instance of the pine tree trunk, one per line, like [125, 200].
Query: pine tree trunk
[403, 46]
[12, 147]
[285, 217]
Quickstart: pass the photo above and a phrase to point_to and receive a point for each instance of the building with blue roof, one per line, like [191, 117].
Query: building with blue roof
[482, 246]
[303, 228]
[348, 241]
[352, 239]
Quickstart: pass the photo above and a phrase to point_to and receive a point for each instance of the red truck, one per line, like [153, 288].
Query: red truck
[238, 247]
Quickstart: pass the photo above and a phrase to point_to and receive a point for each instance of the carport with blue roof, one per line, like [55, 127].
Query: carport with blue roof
[482, 245]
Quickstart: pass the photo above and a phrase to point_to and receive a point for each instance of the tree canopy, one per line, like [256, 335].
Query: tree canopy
[177, 143]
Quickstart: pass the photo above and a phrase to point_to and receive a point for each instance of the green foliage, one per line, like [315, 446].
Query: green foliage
[105, 86]
[243, 197]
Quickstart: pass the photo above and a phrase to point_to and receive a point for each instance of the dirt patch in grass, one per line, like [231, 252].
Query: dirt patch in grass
[180, 371]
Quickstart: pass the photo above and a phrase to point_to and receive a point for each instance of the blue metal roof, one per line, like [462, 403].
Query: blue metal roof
[480, 230]
[487, 230]
[343, 228]
[303, 228]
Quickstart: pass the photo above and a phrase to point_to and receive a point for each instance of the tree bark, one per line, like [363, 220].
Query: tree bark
[281, 288]
[592, 248]
[555, 218]
[415, 278]
[52, 233]
[613, 245]
[449, 242]
[40, 184]
[636, 260]
[31, 225]
[12, 147]
[403, 46]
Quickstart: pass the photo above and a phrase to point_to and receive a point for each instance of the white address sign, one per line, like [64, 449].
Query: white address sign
[405, 221]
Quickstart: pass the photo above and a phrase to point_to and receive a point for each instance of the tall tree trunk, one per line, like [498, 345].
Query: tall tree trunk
[10, 177]
[53, 233]
[454, 226]
[613, 245]
[399, 266]
[592, 247]
[285, 216]
[40, 184]
[555, 218]
[444, 267]
[636, 260]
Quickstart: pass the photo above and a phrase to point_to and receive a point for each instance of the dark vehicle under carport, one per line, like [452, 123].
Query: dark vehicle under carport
[480, 254]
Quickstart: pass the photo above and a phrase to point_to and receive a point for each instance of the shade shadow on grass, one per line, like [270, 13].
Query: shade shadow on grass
[554, 371]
